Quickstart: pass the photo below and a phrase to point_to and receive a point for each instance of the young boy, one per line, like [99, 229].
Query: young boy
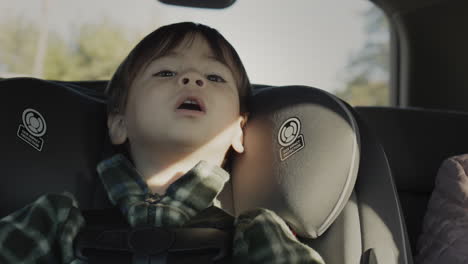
[176, 108]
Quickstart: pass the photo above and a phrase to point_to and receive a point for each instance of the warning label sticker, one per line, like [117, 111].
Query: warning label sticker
[32, 129]
[286, 152]
[290, 138]
[34, 141]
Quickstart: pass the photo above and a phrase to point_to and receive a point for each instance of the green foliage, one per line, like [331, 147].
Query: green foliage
[369, 69]
[97, 51]
[18, 40]
[59, 60]
[361, 92]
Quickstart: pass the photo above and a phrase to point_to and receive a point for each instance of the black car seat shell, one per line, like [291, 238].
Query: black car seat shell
[355, 225]
[61, 152]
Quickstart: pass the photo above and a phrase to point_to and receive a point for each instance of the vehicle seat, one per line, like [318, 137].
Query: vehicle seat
[350, 213]
[416, 142]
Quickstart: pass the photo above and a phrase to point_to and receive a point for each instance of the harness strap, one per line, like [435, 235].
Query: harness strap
[150, 245]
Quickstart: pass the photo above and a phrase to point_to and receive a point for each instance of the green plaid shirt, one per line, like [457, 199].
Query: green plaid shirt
[43, 232]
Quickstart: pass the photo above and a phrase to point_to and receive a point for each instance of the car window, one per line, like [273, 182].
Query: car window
[338, 46]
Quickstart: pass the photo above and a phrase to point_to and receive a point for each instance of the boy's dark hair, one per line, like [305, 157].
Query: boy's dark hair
[160, 42]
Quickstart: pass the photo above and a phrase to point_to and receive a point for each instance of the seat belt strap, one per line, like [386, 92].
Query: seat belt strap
[153, 243]
[107, 238]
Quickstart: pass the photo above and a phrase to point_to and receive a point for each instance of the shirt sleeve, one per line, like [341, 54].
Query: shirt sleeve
[42, 232]
[261, 236]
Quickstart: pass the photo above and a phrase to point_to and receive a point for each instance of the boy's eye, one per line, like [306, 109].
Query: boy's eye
[165, 73]
[215, 78]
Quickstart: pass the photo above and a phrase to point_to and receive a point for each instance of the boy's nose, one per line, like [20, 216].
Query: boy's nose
[187, 80]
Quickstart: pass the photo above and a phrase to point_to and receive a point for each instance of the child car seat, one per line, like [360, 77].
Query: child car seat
[309, 181]
[308, 156]
[52, 138]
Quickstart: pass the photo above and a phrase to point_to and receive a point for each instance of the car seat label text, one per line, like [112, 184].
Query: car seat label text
[290, 138]
[33, 128]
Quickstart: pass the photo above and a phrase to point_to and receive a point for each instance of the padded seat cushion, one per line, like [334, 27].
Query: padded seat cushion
[52, 139]
[301, 158]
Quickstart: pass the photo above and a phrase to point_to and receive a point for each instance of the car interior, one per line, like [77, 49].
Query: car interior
[354, 180]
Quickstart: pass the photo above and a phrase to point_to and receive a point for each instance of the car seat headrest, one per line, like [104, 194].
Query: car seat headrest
[52, 138]
[301, 157]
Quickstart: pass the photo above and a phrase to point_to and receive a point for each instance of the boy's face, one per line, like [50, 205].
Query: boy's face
[183, 99]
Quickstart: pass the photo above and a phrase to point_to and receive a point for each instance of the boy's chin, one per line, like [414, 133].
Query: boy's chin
[192, 144]
[180, 143]
[185, 140]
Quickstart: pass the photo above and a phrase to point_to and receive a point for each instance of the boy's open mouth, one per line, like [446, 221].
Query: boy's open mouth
[191, 104]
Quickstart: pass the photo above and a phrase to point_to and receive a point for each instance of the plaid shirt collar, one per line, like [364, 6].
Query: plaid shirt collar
[190, 194]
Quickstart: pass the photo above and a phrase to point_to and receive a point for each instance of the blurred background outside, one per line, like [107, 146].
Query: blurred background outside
[335, 45]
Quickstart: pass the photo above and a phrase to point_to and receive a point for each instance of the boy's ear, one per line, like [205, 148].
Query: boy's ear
[238, 138]
[117, 128]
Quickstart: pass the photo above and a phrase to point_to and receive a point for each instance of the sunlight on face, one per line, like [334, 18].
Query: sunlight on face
[204, 152]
